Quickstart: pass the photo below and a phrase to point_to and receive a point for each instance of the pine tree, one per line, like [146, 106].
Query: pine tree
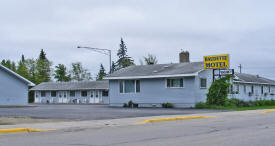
[113, 67]
[42, 55]
[61, 73]
[101, 73]
[22, 68]
[150, 59]
[124, 60]
[43, 68]
[31, 65]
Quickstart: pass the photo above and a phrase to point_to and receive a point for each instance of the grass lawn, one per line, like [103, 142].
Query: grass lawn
[5, 123]
[238, 108]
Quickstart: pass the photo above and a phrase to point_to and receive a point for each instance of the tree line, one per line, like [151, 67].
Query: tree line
[40, 70]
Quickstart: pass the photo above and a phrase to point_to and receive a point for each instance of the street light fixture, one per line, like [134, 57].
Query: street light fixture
[102, 51]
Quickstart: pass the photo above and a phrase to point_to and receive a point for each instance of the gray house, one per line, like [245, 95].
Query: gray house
[184, 84]
[13, 88]
[93, 92]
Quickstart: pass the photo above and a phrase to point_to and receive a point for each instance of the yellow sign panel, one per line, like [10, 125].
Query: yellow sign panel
[216, 61]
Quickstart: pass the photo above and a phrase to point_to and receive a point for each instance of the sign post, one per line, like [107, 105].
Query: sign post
[219, 64]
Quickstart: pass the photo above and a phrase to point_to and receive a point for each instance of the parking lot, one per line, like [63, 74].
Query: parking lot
[90, 112]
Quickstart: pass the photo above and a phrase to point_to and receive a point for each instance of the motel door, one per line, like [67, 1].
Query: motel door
[96, 96]
[62, 97]
[92, 97]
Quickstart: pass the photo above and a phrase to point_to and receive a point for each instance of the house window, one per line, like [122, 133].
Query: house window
[237, 89]
[72, 93]
[105, 93]
[53, 93]
[203, 83]
[84, 93]
[244, 88]
[43, 93]
[252, 89]
[129, 86]
[230, 89]
[262, 89]
[174, 83]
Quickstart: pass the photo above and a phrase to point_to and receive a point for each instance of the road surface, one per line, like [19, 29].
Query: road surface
[228, 128]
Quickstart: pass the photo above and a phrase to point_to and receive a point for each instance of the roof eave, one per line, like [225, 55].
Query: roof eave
[151, 76]
[253, 83]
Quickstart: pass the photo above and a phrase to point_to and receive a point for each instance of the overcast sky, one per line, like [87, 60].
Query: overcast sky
[243, 28]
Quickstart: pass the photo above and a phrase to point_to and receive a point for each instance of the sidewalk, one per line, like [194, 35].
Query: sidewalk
[124, 121]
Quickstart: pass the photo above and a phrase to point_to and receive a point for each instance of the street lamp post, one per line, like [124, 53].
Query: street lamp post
[102, 51]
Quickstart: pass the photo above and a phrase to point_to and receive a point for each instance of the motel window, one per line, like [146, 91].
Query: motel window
[262, 89]
[72, 93]
[203, 83]
[43, 93]
[84, 93]
[36, 93]
[244, 88]
[174, 83]
[252, 89]
[129, 86]
[269, 89]
[53, 93]
[105, 93]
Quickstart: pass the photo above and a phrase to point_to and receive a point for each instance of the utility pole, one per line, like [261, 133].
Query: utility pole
[240, 67]
[102, 51]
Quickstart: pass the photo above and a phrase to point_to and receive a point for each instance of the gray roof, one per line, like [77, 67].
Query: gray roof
[87, 85]
[29, 83]
[248, 78]
[157, 70]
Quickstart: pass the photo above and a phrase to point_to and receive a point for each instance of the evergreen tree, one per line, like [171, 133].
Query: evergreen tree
[22, 68]
[32, 70]
[43, 67]
[9, 64]
[42, 55]
[61, 73]
[79, 73]
[113, 67]
[13, 66]
[150, 59]
[101, 73]
[124, 60]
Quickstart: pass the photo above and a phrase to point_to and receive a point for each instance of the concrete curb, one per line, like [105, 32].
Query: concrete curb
[17, 130]
[173, 119]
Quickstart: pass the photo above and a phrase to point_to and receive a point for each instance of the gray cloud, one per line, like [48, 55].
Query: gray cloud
[242, 28]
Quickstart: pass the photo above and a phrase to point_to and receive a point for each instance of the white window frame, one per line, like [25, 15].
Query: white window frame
[174, 87]
[205, 83]
[123, 84]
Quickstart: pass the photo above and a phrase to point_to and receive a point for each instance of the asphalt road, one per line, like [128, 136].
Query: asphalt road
[91, 112]
[234, 129]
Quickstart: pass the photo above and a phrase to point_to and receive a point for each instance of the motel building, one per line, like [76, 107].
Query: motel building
[183, 84]
[89, 92]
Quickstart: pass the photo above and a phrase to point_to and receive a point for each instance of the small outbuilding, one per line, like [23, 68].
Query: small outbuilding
[87, 92]
[14, 88]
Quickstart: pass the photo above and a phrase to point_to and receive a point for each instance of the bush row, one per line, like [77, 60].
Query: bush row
[240, 103]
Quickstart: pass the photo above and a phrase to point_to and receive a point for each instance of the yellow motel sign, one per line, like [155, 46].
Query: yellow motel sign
[216, 61]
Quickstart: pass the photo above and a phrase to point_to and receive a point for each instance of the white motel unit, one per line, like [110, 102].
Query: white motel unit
[89, 92]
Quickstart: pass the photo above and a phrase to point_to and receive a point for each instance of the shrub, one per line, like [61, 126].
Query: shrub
[125, 105]
[167, 105]
[218, 91]
[200, 105]
[130, 103]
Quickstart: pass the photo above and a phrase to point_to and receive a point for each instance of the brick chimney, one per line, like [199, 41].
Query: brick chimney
[184, 57]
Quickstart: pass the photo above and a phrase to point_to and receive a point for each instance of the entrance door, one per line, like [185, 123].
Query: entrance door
[96, 96]
[65, 99]
[92, 97]
[60, 97]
